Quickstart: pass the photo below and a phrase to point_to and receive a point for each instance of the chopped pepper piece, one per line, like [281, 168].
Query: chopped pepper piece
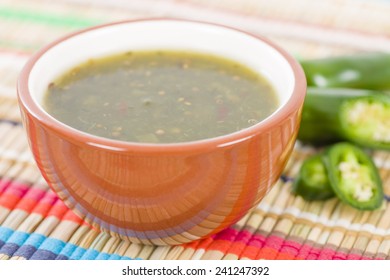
[320, 122]
[353, 176]
[328, 116]
[312, 182]
[367, 70]
[366, 121]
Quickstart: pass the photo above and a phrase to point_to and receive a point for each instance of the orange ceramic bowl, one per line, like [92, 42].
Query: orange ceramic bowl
[162, 193]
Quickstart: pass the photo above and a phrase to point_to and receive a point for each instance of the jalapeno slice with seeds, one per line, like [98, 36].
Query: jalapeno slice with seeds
[353, 176]
[320, 116]
[312, 182]
[366, 121]
[359, 116]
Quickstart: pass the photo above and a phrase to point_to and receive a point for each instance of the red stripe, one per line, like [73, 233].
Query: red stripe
[238, 246]
[30, 199]
[12, 193]
[244, 244]
[71, 216]
[48, 201]
[192, 245]
[250, 252]
[271, 248]
[20, 196]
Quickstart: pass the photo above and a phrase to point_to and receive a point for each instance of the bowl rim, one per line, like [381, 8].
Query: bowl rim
[30, 104]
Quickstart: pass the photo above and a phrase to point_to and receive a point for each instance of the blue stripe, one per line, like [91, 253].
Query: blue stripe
[10, 122]
[30, 245]
[39, 247]
[102, 256]
[68, 250]
[90, 254]
[26, 251]
[78, 253]
[286, 178]
[35, 239]
[114, 257]
[5, 233]
[53, 245]
[43, 255]
[9, 249]
[18, 238]
[62, 257]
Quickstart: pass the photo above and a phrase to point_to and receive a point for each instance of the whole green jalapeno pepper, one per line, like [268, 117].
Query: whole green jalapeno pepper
[353, 176]
[312, 182]
[359, 116]
[366, 71]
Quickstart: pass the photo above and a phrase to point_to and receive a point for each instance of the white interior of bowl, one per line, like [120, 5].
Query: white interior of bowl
[163, 34]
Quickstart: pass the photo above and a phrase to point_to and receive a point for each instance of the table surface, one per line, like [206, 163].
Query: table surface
[35, 224]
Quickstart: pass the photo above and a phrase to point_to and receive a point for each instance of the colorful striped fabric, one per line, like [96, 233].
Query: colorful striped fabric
[35, 224]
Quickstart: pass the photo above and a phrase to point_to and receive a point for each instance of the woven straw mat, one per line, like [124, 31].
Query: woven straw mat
[35, 224]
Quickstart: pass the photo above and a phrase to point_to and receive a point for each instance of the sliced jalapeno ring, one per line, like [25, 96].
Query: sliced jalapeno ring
[359, 116]
[312, 182]
[366, 121]
[353, 176]
[320, 122]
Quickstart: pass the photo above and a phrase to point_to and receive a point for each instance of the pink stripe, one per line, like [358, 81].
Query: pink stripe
[257, 240]
[354, 257]
[16, 186]
[304, 251]
[274, 242]
[339, 256]
[12, 194]
[290, 247]
[239, 245]
[4, 184]
[290, 22]
[46, 203]
[16, 195]
[228, 234]
[242, 241]
[20, 189]
[313, 255]
[15, 53]
[327, 254]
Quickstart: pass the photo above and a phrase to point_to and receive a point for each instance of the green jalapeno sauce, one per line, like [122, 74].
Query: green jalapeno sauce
[160, 97]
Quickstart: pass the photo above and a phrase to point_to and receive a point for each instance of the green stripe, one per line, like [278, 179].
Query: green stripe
[19, 46]
[46, 18]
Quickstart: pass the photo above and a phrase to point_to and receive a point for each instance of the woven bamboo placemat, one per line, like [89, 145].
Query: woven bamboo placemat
[35, 224]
